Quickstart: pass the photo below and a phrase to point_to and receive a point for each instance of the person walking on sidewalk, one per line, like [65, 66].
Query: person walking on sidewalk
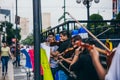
[5, 53]
[17, 61]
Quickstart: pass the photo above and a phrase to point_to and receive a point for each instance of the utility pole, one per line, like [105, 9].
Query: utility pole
[37, 20]
[16, 34]
[5, 35]
[64, 14]
[87, 3]
[64, 10]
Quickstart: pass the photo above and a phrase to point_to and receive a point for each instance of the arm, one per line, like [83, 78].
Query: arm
[76, 56]
[96, 62]
[10, 54]
[54, 54]
[68, 60]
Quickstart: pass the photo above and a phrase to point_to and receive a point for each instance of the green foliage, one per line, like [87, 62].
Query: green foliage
[96, 26]
[96, 17]
[118, 16]
[10, 32]
[28, 41]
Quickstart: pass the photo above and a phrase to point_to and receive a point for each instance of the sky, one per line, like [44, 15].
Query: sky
[54, 7]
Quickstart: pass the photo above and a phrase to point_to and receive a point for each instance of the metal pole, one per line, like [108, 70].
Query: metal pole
[16, 31]
[37, 24]
[64, 10]
[16, 19]
[0, 40]
[88, 10]
[88, 14]
[64, 27]
[5, 30]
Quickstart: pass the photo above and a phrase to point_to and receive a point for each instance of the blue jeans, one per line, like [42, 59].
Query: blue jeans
[4, 60]
[54, 70]
[61, 75]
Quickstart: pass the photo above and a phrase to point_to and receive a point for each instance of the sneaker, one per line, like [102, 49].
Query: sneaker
[19, 65]
[2, 73]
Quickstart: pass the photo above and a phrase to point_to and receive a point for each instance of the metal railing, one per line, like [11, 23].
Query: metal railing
[102, 29]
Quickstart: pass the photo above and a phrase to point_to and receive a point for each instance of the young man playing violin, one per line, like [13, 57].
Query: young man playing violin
[82, 63]
[53, 63]
[65, 43]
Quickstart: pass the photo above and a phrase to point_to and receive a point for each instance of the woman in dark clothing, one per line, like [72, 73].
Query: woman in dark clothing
[84, 68]
[82, 64]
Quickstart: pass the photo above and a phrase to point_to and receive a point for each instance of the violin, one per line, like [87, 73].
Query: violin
[69, 49]
[89, 47]
[85, 45]
[109, 59]
[110, 46]
[109, 54]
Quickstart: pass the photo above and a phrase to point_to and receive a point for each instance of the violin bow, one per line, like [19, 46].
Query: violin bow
[103, 32]
[89, 32]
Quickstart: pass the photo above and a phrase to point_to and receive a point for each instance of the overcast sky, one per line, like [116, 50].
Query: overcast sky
[54, 7]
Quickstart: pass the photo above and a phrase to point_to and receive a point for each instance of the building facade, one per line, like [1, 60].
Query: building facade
[115, 8]
[46, 21]
[24, 25]
[118, 6]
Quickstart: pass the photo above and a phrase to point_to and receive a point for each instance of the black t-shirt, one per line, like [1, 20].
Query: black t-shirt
[64, 45]
[18, 51]
[84, 68]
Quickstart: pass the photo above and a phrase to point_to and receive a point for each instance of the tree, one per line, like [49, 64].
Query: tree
[28, 40]
[96, 17]
[118, 16]
[10, 32]
[95, 25]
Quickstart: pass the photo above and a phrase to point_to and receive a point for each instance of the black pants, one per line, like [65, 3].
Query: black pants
[17, 61]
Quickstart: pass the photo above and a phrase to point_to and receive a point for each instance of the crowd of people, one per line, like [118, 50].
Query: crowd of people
[9, 52]
[74, 55]
[70, 59]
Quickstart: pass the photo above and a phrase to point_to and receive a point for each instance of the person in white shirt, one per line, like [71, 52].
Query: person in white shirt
[53, 62]
[113, 73]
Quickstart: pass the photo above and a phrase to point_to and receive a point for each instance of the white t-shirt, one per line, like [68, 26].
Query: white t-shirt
[114, 70]
[47, 49]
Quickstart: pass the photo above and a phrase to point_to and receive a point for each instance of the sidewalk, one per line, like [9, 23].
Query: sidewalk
[10, 75]
[20, 73]
[17, 73]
